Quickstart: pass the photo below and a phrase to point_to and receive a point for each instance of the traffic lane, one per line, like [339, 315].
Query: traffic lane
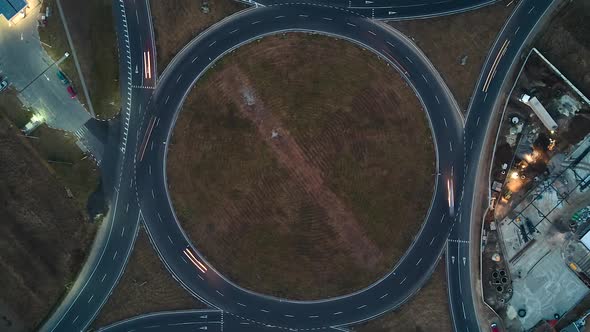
[170, 244]
[142, 48]
[187, 320]
[93, 293]
[503, 55]
[396, 9]
[463, 316]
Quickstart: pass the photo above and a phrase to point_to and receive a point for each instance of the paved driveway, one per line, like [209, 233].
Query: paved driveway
[31, 71]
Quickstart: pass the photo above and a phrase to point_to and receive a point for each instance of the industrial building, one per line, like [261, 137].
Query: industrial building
[10, 9]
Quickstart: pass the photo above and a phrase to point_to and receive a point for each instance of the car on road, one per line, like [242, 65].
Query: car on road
[3, 84]
[494, 327]
[72, 92]
[62, 77]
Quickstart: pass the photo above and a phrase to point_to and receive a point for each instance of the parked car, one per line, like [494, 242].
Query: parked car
[3, 84]
[72, 92]
[62, 77]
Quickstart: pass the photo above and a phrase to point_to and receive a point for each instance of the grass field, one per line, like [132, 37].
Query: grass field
[44, 235]
[473, 34]
[93, 33]
[145, 287]
[329, 204]
[174, 31]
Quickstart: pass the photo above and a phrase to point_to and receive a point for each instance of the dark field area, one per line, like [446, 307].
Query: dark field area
[44, 235]
[146, 286]
[446, 40]
[299, 178]
[566, 43]
[425, 312]
[174, 31]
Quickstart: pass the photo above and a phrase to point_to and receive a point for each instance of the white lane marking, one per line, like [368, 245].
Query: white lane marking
[184, 259]
[166, 102]
[451, 146]
[424, 77]
[410, 60]
[123, 231]
[403, 280]
[178, 79]
[371, 32]
[115, 255]
[517, 29]
[383, 296]
[352, 25]
[314, 316]
[437, 101]
[263, 310]
[170, 239]
[127, 208]
[418, 262]
[362, 306]
[75, 319]
[280, 16]
[290, 316]
[463, 305]
[91, 297]
[243, 305]
[195, 59]
[152, 146]
[218, 292]
[233, 31]
[150, 169]
[326, 18]
[255, 22]
[213, 43]
[390, 44]
[477, 123]
[485, 97]
[445, 120]
[104, 276]
[302, 15]
[471, 147]
[337, 313]
[153, 195]
[432, 241]
[530, 10]
[201, 277]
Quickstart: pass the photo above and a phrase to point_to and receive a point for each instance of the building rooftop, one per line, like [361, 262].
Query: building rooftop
[9, 8]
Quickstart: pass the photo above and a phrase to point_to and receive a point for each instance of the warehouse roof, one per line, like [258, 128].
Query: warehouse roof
[9, 8]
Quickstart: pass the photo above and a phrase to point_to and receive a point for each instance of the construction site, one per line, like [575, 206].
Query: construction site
[536, 255]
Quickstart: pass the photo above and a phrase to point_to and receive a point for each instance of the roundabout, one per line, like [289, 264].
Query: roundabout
[281, 168]
[173, 245]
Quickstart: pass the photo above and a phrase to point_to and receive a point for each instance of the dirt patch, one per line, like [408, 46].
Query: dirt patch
[176, 30]
[447, 40]
[146, 286]
[92, 28]
[427, 311]
[313, 176]
[44, 237]
[565, 42]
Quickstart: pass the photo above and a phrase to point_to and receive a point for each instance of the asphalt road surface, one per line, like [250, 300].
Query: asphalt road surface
[139, 174]
[170, 240]
[490, 90]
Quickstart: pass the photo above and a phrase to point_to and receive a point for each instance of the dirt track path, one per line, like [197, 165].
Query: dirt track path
[291, 156]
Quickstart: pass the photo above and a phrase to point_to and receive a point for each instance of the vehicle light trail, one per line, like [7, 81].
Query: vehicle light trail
[492, 72]
[194, 260]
